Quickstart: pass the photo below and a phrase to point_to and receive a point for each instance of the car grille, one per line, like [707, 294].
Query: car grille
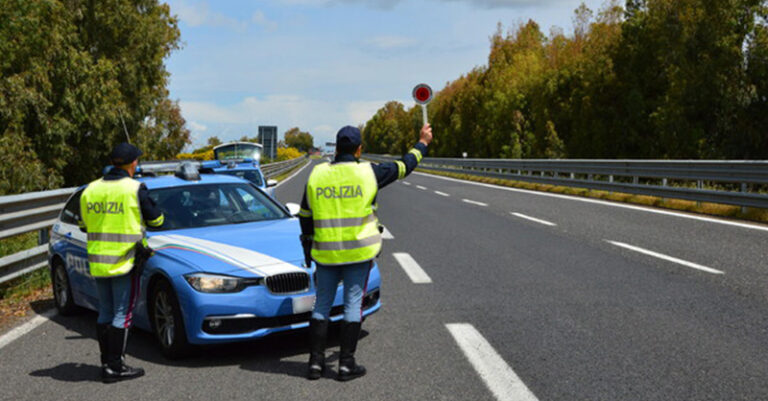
[288, 283]
[248, 325]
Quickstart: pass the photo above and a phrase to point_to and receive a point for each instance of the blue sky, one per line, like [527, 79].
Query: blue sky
[323, 64]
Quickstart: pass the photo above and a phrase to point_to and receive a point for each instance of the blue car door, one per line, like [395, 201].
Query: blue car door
[75, 253]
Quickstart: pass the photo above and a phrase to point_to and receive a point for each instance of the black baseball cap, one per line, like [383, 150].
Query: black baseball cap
[348, 138]
[124, 153]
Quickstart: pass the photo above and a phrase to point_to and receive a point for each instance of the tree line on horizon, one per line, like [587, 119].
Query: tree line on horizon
[76, 78]
[661, 79]
[295, 142]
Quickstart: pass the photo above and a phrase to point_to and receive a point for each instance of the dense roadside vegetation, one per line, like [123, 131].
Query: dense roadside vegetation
[76, 75]
[679, 79]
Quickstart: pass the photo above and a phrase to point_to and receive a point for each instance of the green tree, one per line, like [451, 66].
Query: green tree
[20, 169]
[296, 138]
[74, 73]
[163, 134]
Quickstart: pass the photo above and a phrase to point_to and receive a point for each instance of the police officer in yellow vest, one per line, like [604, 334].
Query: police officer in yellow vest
[339, 224]
[114, 209]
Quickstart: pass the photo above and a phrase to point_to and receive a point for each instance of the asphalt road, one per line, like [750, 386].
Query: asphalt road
[674, 308]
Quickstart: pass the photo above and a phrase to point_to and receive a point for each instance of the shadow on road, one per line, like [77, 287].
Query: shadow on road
[71, 372]
[283, 353]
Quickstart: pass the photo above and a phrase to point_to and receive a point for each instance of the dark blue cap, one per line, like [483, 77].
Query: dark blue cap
[348, 137]
[124, 153]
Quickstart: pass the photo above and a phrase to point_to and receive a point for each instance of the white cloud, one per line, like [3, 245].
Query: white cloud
[362, 111]
[197, 14]
[260, 19]
[381, 4]
[286, 111]
[323, 129]
[391, 4]
[195, 126]
[387, 42]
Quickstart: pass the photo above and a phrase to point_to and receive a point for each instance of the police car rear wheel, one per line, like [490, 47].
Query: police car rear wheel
[167, 322]
[62, 291]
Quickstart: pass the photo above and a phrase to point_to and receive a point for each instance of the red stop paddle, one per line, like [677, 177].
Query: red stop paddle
[422, 94]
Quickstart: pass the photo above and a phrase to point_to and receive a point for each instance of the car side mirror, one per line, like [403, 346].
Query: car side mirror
[293, 208]
[271, 183]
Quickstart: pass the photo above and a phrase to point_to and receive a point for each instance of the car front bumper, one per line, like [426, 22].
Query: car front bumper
[255, 312]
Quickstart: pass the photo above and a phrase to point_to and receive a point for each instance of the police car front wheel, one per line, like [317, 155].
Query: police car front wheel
[62, 291]
[167, 322]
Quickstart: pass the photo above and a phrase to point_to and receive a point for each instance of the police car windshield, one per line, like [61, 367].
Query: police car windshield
[237, 151]
[212, 205]
[250, 175]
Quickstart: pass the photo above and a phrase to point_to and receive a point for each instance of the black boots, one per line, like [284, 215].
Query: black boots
[318, 332]
[115, 369]
[348, 369]
[101, 336]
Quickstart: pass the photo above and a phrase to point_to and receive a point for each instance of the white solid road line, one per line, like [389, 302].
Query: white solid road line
[421, 187]
[497, 375]
[412, 269]
[666, 257]
[540, 221]
[442, 193]
[386, 234]
[474, 202]
[25, 328]
[292, 175]
[605, 203]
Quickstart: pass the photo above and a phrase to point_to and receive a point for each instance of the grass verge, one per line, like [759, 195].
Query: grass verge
[712, 209]
[21, 295]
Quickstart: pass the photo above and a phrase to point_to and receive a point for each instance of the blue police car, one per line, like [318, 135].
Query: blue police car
[228, 265]
[240, 159]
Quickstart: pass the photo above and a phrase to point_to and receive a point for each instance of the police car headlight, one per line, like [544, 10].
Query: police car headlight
[215, 283]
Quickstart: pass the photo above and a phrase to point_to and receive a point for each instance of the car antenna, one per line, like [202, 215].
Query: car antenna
[128, 137]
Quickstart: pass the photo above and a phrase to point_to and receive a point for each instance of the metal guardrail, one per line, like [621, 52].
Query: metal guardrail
[37, 211]
[275, 169]
[638, 177]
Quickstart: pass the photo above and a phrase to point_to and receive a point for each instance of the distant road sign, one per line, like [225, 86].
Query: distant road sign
[330, 144]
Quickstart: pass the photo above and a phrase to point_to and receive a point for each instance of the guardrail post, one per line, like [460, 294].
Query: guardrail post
[699, 185]
[743, 189]
[663, 184]
[610, 179]
[573, 176]
[43, 236]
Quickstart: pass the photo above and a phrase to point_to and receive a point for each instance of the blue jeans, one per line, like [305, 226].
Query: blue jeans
[116, 298]
[355, 278]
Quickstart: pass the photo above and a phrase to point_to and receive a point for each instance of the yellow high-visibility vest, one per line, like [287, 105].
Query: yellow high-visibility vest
[341, 197]
[112, 216]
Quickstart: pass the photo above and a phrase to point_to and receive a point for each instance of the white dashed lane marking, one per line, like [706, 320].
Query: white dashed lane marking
[386, 234]
[406, 183]
[442, 193]
[421, 187]
[533, 219]
[411, 268]
[490, 366]
[474, 202]
[666, 257]
[604, 203]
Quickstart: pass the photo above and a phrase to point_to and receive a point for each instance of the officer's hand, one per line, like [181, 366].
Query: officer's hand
[425, 136]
